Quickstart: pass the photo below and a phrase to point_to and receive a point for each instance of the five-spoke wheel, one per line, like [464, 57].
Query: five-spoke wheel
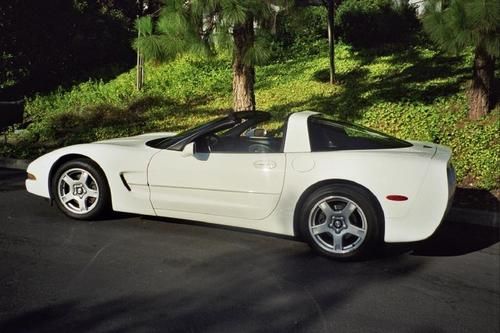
[340, 221]
[77, 189]
[337, 224]
[80, 189]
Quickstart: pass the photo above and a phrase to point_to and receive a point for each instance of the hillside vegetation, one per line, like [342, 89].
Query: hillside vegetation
[412, 93]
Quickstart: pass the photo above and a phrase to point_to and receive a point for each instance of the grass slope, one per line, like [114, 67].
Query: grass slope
[412, 93]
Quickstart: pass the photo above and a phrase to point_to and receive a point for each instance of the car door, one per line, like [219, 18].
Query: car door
[243, 185]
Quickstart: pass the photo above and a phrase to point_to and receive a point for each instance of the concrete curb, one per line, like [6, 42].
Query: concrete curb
[12, 163]
[456, 215]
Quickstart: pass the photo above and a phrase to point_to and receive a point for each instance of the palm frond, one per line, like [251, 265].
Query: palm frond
[464, 23]
[204, 26]
[144, 25]
[259, 53]
[234, 12]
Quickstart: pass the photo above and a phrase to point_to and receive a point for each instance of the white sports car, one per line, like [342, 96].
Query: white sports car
[341, 187]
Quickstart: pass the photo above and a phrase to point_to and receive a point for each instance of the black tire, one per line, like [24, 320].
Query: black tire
[96, 184]
[336, 225]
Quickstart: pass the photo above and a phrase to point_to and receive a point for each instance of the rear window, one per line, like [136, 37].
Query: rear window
[328, 135]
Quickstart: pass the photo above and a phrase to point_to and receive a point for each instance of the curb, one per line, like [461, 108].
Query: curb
[12, 163]
[456, 215]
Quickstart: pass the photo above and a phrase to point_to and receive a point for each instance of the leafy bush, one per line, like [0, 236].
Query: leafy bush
[413, 93]
[370, 23]
[475, 145]
[300, 32]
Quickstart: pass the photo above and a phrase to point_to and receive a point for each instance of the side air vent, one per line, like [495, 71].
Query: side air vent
[125, 182]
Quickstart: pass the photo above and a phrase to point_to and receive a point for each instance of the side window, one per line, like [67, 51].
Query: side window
[322, 137]
[326, 135]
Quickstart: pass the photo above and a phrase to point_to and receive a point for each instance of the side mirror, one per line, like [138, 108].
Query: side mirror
[188, 150]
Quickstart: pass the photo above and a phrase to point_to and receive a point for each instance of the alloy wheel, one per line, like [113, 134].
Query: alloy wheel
[337, 224]
[78, 191]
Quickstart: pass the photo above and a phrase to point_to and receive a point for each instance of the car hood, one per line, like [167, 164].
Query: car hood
[135, 141]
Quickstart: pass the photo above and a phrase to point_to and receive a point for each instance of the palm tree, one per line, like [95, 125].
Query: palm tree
[206, 27]
[470, 23]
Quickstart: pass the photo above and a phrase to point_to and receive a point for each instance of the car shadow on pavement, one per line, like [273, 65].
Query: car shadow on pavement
[476, 198]
[451, 239]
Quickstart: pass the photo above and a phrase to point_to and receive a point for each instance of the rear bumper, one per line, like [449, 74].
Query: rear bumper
[452, 185]
[430, 206]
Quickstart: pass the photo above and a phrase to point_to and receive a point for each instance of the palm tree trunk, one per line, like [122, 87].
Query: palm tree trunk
[331, 38]
[481, 93]
[243, 71]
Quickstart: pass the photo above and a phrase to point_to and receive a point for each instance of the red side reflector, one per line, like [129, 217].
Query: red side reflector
[395, 197]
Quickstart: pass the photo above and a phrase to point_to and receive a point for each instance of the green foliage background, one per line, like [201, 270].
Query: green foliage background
[371, 23]
[410, 92]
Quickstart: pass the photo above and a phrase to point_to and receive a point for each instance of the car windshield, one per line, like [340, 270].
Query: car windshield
[162, 142]
[231, 125]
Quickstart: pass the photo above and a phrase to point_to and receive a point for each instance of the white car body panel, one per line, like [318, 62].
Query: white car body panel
[262, 191]
[222, 184]
[296, 132]
[127, 156]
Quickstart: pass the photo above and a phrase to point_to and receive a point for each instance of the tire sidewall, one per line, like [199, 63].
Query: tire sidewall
[363, 199]
[103, 202]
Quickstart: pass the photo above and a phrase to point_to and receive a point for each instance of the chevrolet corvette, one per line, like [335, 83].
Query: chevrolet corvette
[342, 188]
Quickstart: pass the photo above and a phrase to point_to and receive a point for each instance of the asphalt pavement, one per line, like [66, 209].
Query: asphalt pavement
[144, 274]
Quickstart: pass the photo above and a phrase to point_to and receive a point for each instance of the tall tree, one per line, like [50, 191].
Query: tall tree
[208, 26]
[470, 23]
[330, 6]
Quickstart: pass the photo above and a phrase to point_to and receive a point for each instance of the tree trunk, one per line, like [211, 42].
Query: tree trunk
[243, 70]
[139, 75]
[481, 93]
[331, 38]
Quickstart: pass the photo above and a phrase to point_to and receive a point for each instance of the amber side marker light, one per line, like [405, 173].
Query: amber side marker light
[395, 197]
[31, 176]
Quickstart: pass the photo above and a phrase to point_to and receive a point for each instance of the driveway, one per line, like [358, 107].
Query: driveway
[143, 274]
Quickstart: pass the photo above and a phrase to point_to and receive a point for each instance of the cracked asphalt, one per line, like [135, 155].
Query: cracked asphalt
[144, 274]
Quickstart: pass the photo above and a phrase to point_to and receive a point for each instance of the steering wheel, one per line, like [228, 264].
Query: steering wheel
[259, 148]
[212, 140]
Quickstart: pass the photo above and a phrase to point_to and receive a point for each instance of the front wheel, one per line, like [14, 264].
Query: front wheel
[340, 221]
[81, 190]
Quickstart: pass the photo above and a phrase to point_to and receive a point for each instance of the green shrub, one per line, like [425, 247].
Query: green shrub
[300, 32]
[371, 23]
[475, 145]
[413, 93]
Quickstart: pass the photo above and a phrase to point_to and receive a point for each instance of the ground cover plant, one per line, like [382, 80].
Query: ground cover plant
[411, 92]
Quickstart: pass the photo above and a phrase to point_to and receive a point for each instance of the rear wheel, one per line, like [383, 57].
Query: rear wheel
[81, 190]
[341, 221]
